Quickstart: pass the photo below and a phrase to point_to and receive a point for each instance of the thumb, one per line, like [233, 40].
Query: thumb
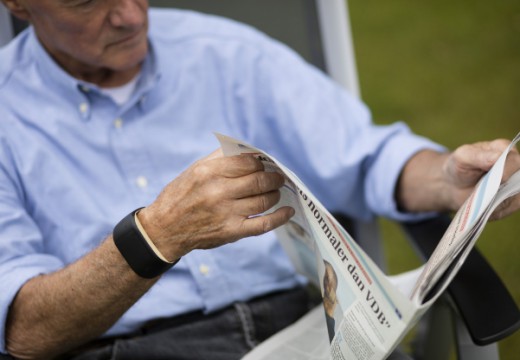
[480, 156]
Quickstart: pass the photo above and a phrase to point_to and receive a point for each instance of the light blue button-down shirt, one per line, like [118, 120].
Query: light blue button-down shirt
[73, 163]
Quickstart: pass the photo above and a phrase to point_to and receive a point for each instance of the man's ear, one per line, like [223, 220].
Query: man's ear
[17, 9]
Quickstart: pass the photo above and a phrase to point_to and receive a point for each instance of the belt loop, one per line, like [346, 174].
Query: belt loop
[247, 322]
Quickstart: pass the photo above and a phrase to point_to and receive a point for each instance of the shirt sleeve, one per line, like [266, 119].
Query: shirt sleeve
[385, 168]
[22, 249]
[325, 135]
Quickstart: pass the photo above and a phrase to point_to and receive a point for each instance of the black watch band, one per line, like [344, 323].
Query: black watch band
[134, 247]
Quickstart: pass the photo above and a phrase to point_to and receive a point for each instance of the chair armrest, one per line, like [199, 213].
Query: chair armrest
[484, 303]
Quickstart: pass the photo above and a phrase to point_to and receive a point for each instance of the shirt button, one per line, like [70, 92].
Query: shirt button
[204, 269]
[118, 123]
[142, 182]
[84, 88]
[83, 107]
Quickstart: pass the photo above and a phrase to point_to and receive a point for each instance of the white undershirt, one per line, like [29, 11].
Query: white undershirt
[121, 94]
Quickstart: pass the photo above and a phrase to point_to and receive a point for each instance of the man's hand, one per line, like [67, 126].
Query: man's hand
[214, 202]
[468, 163]
[432, 181]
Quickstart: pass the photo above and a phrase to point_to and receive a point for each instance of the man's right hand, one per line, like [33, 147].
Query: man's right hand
[212, 203]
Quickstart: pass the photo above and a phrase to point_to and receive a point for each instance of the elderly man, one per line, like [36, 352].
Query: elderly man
[106, 108]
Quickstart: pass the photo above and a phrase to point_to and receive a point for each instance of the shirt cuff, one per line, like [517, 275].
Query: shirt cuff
[381, 194]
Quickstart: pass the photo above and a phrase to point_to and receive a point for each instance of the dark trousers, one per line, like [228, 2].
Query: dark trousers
[225, 335]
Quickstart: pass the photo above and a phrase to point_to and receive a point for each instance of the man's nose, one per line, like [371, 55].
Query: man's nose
[128, 13]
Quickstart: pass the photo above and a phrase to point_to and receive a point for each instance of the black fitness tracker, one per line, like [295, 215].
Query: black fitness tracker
[144, 260]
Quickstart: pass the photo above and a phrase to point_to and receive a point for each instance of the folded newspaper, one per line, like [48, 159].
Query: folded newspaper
[365, 314]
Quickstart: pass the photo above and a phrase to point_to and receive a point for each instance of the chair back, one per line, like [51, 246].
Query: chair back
[6, 26]
[319, 30]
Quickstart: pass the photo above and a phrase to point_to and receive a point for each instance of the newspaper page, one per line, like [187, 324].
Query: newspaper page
[366, 316]
[464, 229]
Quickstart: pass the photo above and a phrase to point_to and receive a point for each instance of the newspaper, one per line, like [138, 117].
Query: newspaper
[365, 313]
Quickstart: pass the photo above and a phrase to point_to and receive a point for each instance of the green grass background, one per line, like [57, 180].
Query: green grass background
[451, 70]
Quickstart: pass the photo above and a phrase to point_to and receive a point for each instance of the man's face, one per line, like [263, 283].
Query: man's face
[330, 284]
[86, 35]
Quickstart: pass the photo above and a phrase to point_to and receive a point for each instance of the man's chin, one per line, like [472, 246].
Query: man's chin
[127, 62]
[120, 54]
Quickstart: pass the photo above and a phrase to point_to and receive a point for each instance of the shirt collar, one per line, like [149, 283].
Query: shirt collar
[150, 76]
[55, 78]
[76, 91]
